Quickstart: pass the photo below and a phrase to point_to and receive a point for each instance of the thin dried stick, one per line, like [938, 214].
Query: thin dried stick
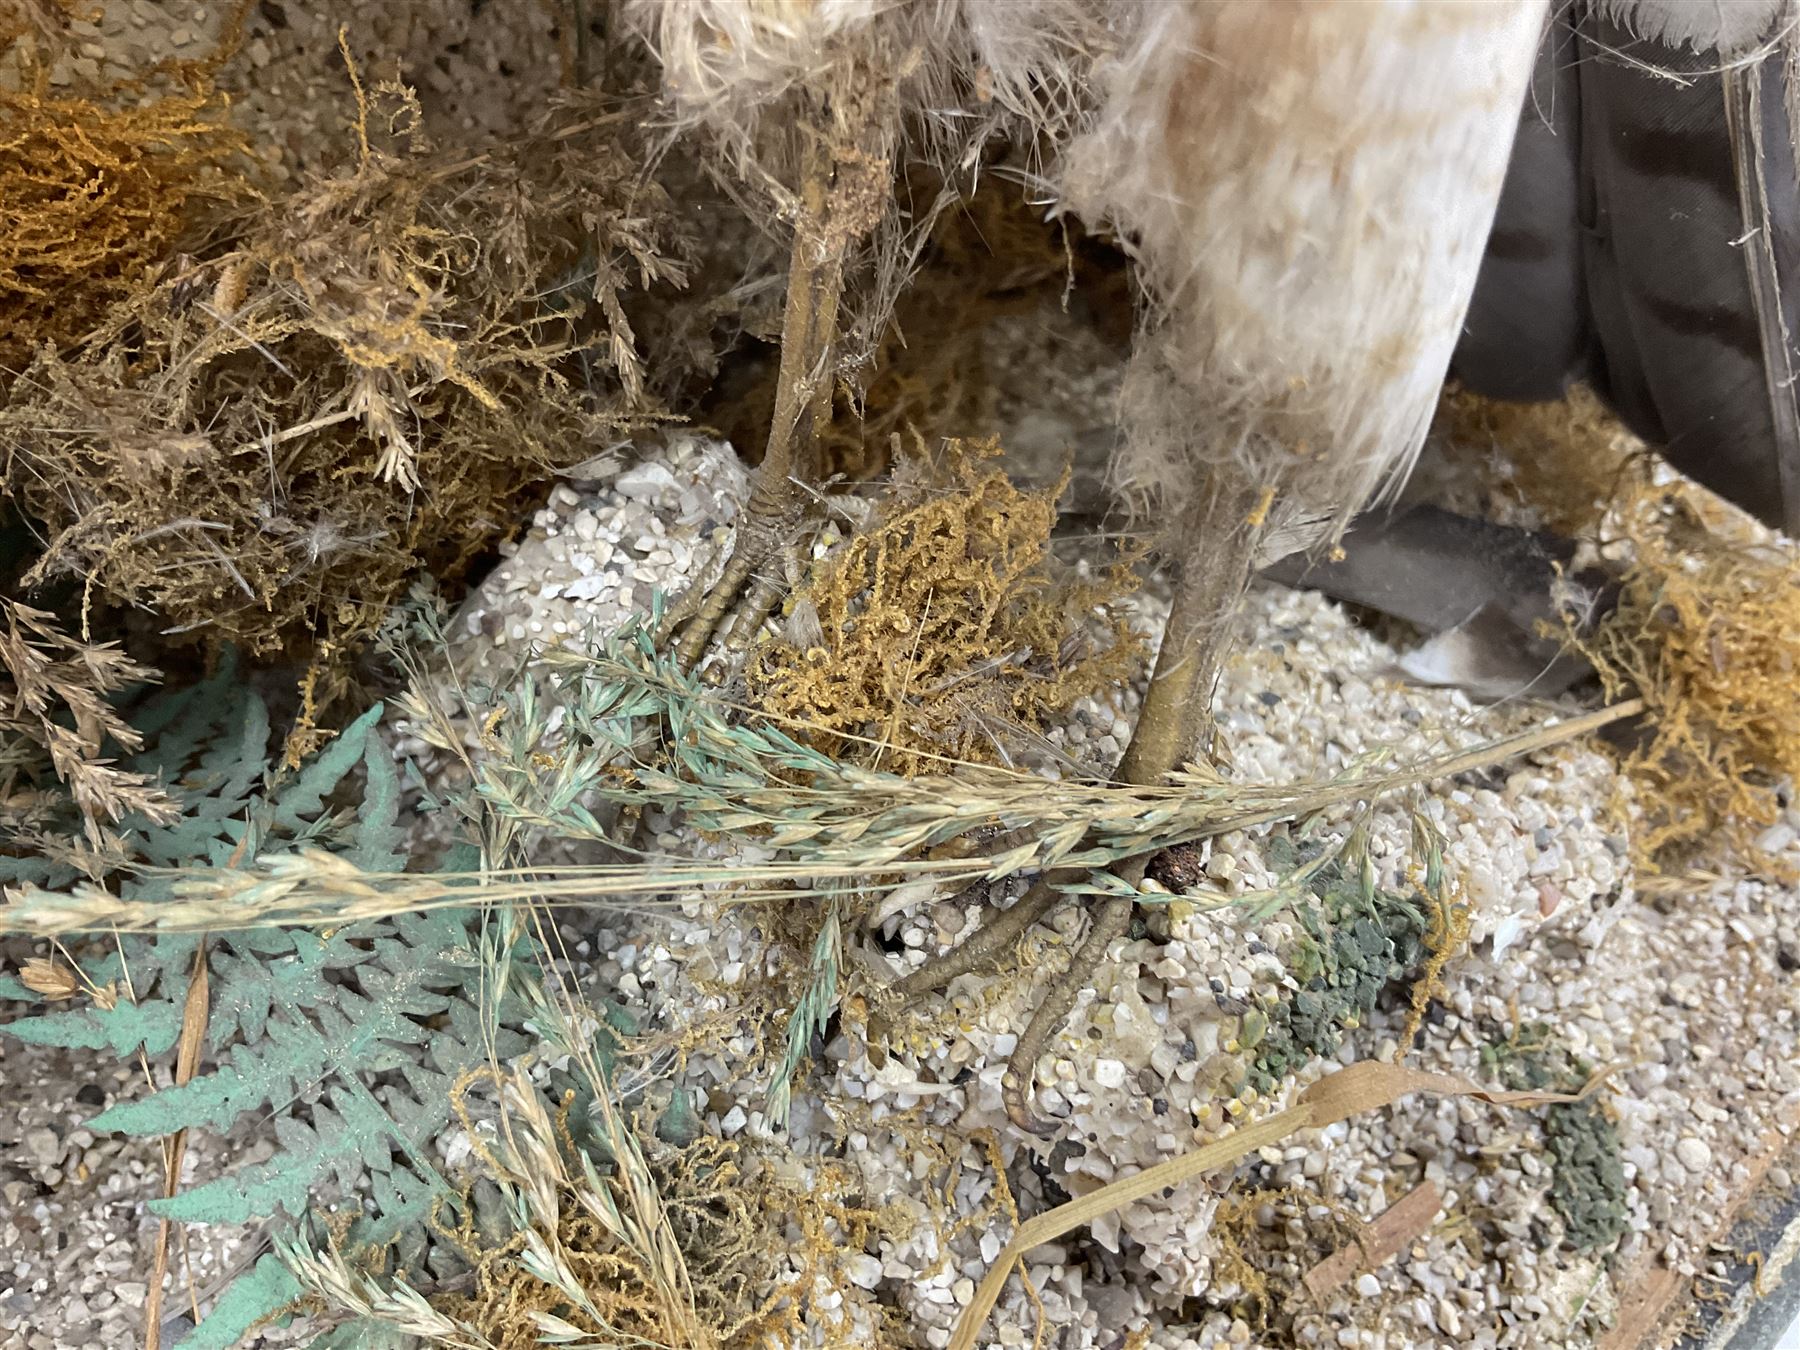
[194, 1012]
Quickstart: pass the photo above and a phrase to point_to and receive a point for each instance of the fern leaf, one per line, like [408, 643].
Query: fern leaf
[146, 1015]
[349, 1133]
[360, 1027]
[122, 1031]
[301, 802]
[348, 1043]
[377, 844]
[251, 1299]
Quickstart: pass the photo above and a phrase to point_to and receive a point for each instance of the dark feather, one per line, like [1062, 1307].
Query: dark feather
[1481, 594]
[1645, 288]
[1526, 335]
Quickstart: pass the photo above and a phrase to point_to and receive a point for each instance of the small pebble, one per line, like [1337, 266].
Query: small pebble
[1693, 1154]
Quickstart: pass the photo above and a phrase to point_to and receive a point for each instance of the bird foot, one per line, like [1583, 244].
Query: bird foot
[993, 940]
[751, 586]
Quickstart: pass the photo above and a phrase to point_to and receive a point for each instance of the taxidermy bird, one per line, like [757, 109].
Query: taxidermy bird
[1644, 245]
[1307, 188]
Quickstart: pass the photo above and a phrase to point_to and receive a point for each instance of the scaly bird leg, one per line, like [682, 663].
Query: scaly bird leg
[987, 946]
[843, 183]
[1176, 718]
[1002, 929]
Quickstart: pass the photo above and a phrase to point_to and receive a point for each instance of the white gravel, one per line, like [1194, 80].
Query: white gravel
[1686, 997]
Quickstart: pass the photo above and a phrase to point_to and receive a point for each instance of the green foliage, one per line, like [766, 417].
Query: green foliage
[1360, 939]
[1587, 1171]
[811, 1014]
[247, 1300]
[344, 1043]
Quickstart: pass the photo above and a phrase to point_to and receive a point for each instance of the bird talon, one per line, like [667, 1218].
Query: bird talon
[1015, 1095]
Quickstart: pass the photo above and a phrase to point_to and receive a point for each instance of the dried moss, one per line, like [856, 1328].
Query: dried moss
[1707, 627]
[351, 384]
[100, 185]
[510, 1301]
[943, 631]
[1264, 1266]
[756, 1250]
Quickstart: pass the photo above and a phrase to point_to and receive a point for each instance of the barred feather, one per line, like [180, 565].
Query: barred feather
[1648, 241]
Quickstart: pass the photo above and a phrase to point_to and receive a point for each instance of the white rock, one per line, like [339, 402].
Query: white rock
[646, 482]
[1693, 1154]
[863, 1270]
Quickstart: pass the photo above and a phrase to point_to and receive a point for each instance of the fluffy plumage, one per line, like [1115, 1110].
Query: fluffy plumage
[1727, 27]
[1309, 186]
[759, 79]
[960, 69]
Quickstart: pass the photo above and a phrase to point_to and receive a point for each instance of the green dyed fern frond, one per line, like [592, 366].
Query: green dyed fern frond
[347, 1043]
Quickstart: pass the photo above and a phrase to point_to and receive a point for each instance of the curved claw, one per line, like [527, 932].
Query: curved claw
[1110, 922]
[1015, 1095]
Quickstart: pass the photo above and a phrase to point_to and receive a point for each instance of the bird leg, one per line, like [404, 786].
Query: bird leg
[1176, 719]
[1002, 929]
[844, 181]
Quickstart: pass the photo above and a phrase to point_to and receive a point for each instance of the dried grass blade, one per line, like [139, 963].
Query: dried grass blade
[1351, 1091]
[194, 1012]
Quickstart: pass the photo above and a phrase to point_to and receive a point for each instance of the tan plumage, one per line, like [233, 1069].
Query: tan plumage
[1309, 186]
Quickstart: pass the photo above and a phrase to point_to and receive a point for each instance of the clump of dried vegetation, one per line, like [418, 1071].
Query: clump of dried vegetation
[57, 711]
[100, 185]
[942, 631]
[1706, 629]
[266, 439]
[1259, 1265]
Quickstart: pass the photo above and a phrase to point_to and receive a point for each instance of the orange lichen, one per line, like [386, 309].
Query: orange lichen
[1707, 627]
[100, 185]
[942, 632]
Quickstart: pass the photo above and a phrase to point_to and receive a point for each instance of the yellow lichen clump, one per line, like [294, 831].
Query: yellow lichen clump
[99, 187]
[942, 632]
[1706, 630]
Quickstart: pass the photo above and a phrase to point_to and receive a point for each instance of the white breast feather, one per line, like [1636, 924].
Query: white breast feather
[1309, 186]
